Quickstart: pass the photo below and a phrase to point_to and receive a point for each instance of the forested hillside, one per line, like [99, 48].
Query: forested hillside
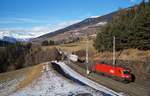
[20, 55]
[131, 27]
[4, 43]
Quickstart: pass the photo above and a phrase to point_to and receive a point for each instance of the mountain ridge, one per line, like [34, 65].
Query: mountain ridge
[88, 22]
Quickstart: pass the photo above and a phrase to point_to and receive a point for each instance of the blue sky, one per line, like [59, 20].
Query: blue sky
[53, 14]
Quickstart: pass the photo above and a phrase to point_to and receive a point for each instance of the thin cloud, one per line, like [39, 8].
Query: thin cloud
[33, 32]
[132, 1]
[29, 20]
[19, 20]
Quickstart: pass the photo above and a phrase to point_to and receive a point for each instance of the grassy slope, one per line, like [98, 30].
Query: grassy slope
[128, 54]
[131, 58]
[137, 88]
[72, 47]
[30, 74]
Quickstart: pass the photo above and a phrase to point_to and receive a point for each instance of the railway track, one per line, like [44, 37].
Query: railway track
[133, 89]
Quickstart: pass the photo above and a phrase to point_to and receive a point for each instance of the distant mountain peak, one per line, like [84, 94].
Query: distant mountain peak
[13, 36]
[94, 16]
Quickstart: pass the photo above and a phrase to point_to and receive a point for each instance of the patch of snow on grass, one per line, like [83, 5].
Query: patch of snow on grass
[8, 86]
[53, 84]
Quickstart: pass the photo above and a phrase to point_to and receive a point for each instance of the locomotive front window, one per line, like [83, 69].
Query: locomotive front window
[126, 72]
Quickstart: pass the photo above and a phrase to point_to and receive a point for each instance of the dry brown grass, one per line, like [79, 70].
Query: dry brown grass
[31, 75]
[13, 74]
[72, 47]
[128, 54]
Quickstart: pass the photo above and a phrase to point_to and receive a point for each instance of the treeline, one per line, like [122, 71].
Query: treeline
[131, 27]
[63, 41]
[47, 43]
[13, 56]
[4, 43]
[21, 55]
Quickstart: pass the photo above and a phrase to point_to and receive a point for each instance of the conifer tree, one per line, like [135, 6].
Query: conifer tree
[131, 28]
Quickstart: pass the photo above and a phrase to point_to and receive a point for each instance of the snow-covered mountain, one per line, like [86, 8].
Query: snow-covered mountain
[13, 35]
[24, 34]
[9, 39]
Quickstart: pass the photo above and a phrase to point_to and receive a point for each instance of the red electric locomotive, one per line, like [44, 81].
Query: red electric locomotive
[119, 73]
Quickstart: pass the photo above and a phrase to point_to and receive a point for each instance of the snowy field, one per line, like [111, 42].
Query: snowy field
[53, 84]
[8, 86]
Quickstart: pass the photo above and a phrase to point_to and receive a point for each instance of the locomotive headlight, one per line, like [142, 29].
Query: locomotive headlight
[127, 76]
